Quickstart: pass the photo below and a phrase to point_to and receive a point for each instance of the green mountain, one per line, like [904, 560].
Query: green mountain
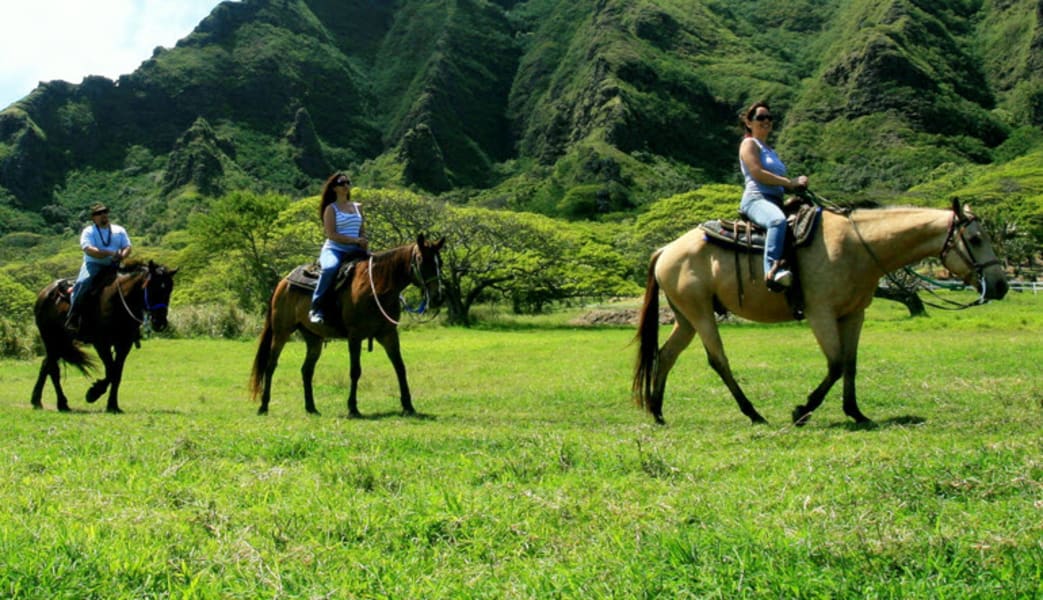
[571, 108]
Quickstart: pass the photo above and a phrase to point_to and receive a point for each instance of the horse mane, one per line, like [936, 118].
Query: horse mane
[388, 264]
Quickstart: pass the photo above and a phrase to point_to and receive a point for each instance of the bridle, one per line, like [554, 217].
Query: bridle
[416, 277]
[956, 233]
[148, 307]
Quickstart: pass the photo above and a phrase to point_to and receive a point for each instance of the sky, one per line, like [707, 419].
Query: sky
[45, 40]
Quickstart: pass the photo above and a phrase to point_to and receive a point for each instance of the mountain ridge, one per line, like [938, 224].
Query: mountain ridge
[572, 109]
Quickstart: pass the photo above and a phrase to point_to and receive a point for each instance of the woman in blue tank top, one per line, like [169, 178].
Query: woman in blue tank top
[345, 237]
[766, 182]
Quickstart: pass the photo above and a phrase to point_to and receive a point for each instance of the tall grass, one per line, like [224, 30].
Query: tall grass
[530, 474]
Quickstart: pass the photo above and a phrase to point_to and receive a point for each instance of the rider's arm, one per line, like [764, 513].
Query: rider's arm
[751, 157]
[329, 224]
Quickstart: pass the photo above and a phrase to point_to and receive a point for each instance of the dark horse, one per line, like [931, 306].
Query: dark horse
[839, 271]
[367, 308]
[123, 301]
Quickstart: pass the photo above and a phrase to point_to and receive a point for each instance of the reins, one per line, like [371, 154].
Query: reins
[146, 309]
[957, 226]
[417, 278]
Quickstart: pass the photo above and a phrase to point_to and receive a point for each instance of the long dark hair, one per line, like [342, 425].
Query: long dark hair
[329, 196]
[747, 115]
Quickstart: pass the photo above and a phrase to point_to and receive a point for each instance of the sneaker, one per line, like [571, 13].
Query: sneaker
[783, 277]
[316, 317]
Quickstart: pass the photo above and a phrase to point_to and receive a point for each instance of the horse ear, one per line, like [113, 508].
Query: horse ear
[173, 272]
[420, 240]
[956, 208]
[151, 265]
[438, 245]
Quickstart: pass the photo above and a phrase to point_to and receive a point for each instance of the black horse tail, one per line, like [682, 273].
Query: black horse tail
[648, 347]
[264, 351]
[72, 354]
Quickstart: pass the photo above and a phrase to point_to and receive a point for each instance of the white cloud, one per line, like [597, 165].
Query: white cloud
[44, 40]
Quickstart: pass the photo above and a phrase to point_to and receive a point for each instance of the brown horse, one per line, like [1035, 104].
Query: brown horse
[126, 300]
[839, 272]
[368, 308]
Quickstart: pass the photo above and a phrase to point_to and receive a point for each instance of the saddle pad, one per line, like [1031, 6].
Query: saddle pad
[748, 236]
[306, 277]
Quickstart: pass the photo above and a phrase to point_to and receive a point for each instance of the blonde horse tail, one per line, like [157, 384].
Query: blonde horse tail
[264, 350]
[648, 346]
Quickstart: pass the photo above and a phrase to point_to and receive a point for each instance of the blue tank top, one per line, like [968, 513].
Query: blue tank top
[770, 162]
[348, 224]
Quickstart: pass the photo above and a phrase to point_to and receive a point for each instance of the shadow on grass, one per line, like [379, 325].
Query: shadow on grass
[391, 414]
[900, 421]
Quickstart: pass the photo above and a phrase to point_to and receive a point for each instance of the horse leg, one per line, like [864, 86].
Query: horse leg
[115, 377]
[314, 351]
[827, 333]
[680, 337]
[711, 338]
[100, 385]
[394, 353]
[49, 368]
[277, 344]
[850, 332]
[355, 352]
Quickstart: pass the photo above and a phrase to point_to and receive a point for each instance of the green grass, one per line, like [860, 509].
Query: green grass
[530, 473]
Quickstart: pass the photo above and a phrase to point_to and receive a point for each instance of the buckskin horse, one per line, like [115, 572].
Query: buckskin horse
[839, 271]
[125, 300]
[367, 308]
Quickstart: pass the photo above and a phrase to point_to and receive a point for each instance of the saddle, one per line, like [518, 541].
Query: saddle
[306, 277]
[746, 237]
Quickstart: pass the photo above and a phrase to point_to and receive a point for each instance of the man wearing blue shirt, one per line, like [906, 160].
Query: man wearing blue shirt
[104, 244]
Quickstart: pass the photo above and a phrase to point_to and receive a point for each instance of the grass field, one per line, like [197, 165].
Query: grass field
[530, 474]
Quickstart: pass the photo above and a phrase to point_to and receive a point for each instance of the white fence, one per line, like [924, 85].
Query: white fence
[1019, 286]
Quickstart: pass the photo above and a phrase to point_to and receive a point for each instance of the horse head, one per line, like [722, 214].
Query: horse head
[158, 287]
[427, 268]
[967, 252]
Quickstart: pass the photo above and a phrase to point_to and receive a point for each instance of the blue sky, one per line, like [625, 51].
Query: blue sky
[44, 40]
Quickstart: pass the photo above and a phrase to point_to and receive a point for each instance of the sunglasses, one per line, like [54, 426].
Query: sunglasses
[763, 117]
[340, 182]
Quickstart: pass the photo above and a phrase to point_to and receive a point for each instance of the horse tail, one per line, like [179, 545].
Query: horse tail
[56, 342]
[72, 354]
[264, 350]
[648, 344]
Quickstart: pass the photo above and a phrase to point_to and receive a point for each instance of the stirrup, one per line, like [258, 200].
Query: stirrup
[778, 278]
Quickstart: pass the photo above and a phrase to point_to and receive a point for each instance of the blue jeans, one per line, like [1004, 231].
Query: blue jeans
[329, 261]
[768, 215]
[87, 272]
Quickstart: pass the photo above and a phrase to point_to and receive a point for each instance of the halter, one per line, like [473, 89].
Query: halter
[417, 278]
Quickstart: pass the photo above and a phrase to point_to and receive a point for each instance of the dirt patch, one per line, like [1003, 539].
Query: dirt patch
[619, 316]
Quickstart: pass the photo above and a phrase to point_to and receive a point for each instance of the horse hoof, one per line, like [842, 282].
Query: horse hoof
[354, 414]
[61, 408]
[37, 406]
[262, 412]
[800, 416]
[114, 410]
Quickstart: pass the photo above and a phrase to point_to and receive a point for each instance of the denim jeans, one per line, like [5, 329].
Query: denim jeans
[329, 261]
[87, 271]
[768, 215]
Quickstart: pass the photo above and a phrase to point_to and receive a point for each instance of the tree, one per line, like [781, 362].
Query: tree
[237, 246]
